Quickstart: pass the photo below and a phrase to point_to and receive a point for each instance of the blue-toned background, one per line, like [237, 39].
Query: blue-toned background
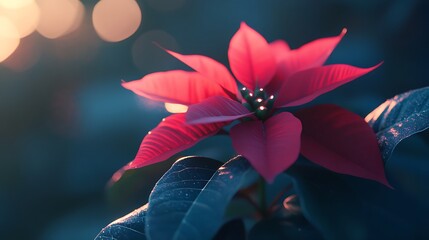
[67, 124]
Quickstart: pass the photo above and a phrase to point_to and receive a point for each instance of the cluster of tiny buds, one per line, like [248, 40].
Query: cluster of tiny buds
[258, 102]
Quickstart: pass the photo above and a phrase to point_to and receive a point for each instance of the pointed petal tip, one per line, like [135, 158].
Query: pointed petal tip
[174, 54]
[340, 36]
[268, 178]
[116, 176]
[385, 182]
[158, 45]
[370, 69]
[243, 24]
[250, 58]
[379, 64]
[125, 85]
[171, 52]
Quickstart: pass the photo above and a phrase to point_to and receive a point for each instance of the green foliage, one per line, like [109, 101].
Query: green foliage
[400, 117]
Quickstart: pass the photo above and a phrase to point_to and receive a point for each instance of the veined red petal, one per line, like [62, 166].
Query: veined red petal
[271, 146]
[171, 136]
[304, 86]
[341, 141]
[251, 58]
[216, 109]
[209, 68]
[175, 87]
[310, 55]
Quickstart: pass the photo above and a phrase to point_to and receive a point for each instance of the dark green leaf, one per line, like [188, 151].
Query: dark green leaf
[189, 201]
[408, 169]
[284, 228]
[394, 121]
[400, 117]
[129, 227]
[232, 230]
[345, 207]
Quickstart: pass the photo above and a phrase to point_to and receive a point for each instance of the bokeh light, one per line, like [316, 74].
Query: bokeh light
[9, 38]
[24, 18]
[59, 17]
[116, 20]
[25, 56]
[176, 108]
[11, 4]
[85, 39]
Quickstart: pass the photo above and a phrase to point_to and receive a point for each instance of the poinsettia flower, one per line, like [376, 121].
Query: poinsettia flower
[274, 77]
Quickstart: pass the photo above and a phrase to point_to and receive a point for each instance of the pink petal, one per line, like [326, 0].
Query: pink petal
[171, 136]
[175, 87]
[251, 58]
[310, 55]
[279, 48]
[216, 109]
[304, 86]
[271, 146]
[341, 141]
[209, 68]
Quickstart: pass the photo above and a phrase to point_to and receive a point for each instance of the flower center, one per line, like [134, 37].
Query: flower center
[258, 102]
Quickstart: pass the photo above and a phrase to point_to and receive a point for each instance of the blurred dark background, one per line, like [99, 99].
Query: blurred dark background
[67, 124]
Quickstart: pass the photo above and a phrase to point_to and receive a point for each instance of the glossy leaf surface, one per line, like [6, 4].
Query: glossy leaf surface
[232, 230]
[129, 227]
[294, 227]
[189, 201]
[344, 207]
[400, 117]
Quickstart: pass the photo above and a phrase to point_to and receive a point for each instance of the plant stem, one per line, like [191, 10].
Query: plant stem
[262, 197]
[250, 200]
[273, 206]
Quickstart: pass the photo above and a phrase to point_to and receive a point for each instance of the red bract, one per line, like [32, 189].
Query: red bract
[274, 77]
